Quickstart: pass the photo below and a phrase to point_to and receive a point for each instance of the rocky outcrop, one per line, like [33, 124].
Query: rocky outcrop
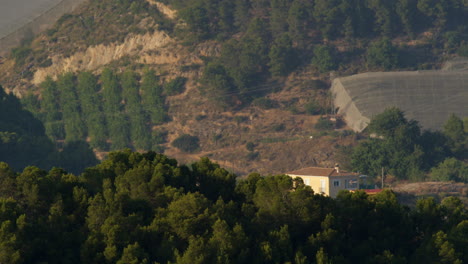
[95, 57]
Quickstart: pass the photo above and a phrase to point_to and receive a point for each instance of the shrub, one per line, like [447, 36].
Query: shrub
[324, 124]
[279, 127]
[176, 86]
[263, 103]
[324, 59]
[250, 146]
[463, 50]
[382, 54]
[252, 155]
[159, 137]
[240, 119]
[312, 108]
[450, 169]
[20, 54]
[186, 143]
[200, 117]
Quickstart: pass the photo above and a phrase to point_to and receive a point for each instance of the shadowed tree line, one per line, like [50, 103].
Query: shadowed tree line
[23, 140]
[406, 152]
[112, 111]
[145, 208]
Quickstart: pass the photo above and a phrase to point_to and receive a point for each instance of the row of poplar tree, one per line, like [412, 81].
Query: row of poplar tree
[113, 111]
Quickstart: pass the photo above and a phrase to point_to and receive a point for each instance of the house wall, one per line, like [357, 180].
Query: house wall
[315, 183]
[333, 192]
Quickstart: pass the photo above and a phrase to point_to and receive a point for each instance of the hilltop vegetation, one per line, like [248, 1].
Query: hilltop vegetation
[247, 71]
[23, 141]
[249, 89]
[264, 39]
[406, 152]
[113, 111]
[144, 208]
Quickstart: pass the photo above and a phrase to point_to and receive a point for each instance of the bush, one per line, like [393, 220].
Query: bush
[250, 146]
[241, 119]
[382, 54]
[176, 86]
[200, 117]
[279, 127]
[324, 124]
[186, 143]
[312, 108]
[253, 155]
[324, 59]
[450, 169]
[263, 103]
[20, 54]
[463, 50]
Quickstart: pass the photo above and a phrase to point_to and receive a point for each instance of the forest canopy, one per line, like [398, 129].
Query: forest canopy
[23, 140]
[145, 208]
[264, 39]
[403, 150]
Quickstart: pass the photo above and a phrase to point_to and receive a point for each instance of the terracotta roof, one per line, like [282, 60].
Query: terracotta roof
[316, 171]
[372, 191]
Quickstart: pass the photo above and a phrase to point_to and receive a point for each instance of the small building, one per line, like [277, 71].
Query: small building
[327, 181]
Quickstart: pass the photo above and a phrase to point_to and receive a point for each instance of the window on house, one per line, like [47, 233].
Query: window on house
[351, 184]
[336, 183]
[307, 182]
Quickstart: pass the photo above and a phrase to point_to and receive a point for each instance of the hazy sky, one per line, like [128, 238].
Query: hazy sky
[16, 13]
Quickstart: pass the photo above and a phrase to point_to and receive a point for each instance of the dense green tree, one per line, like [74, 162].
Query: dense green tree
[9, 252]
[278, 16]
[328, 14]
[396, 147]
[209, 174]
[175, 86]
[144, 208]
[457, 137]
[446, 252]
[406, 10]
[140, 134]
[384, 15]
[117, 124]
[241, 13]
[450, 169]
[228, 244]
[198, 21]
[71, 111]
[133, 254]
[87, 89]
[186, 143]
[218, 84]
[75, 156]
[226, 12]
[324, 58]
[23, 139]
[153, 99]
[50, 106]
[283, 57]
[435, 10]
[382, 54]
[299, 16]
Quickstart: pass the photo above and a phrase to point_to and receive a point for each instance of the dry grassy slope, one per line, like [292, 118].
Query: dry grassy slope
[409, 192]
[283, 139]
[224, 135]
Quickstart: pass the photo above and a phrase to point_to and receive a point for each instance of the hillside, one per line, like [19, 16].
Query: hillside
[23, 141]
[409, 193]
[146, 208]
[246, 78]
